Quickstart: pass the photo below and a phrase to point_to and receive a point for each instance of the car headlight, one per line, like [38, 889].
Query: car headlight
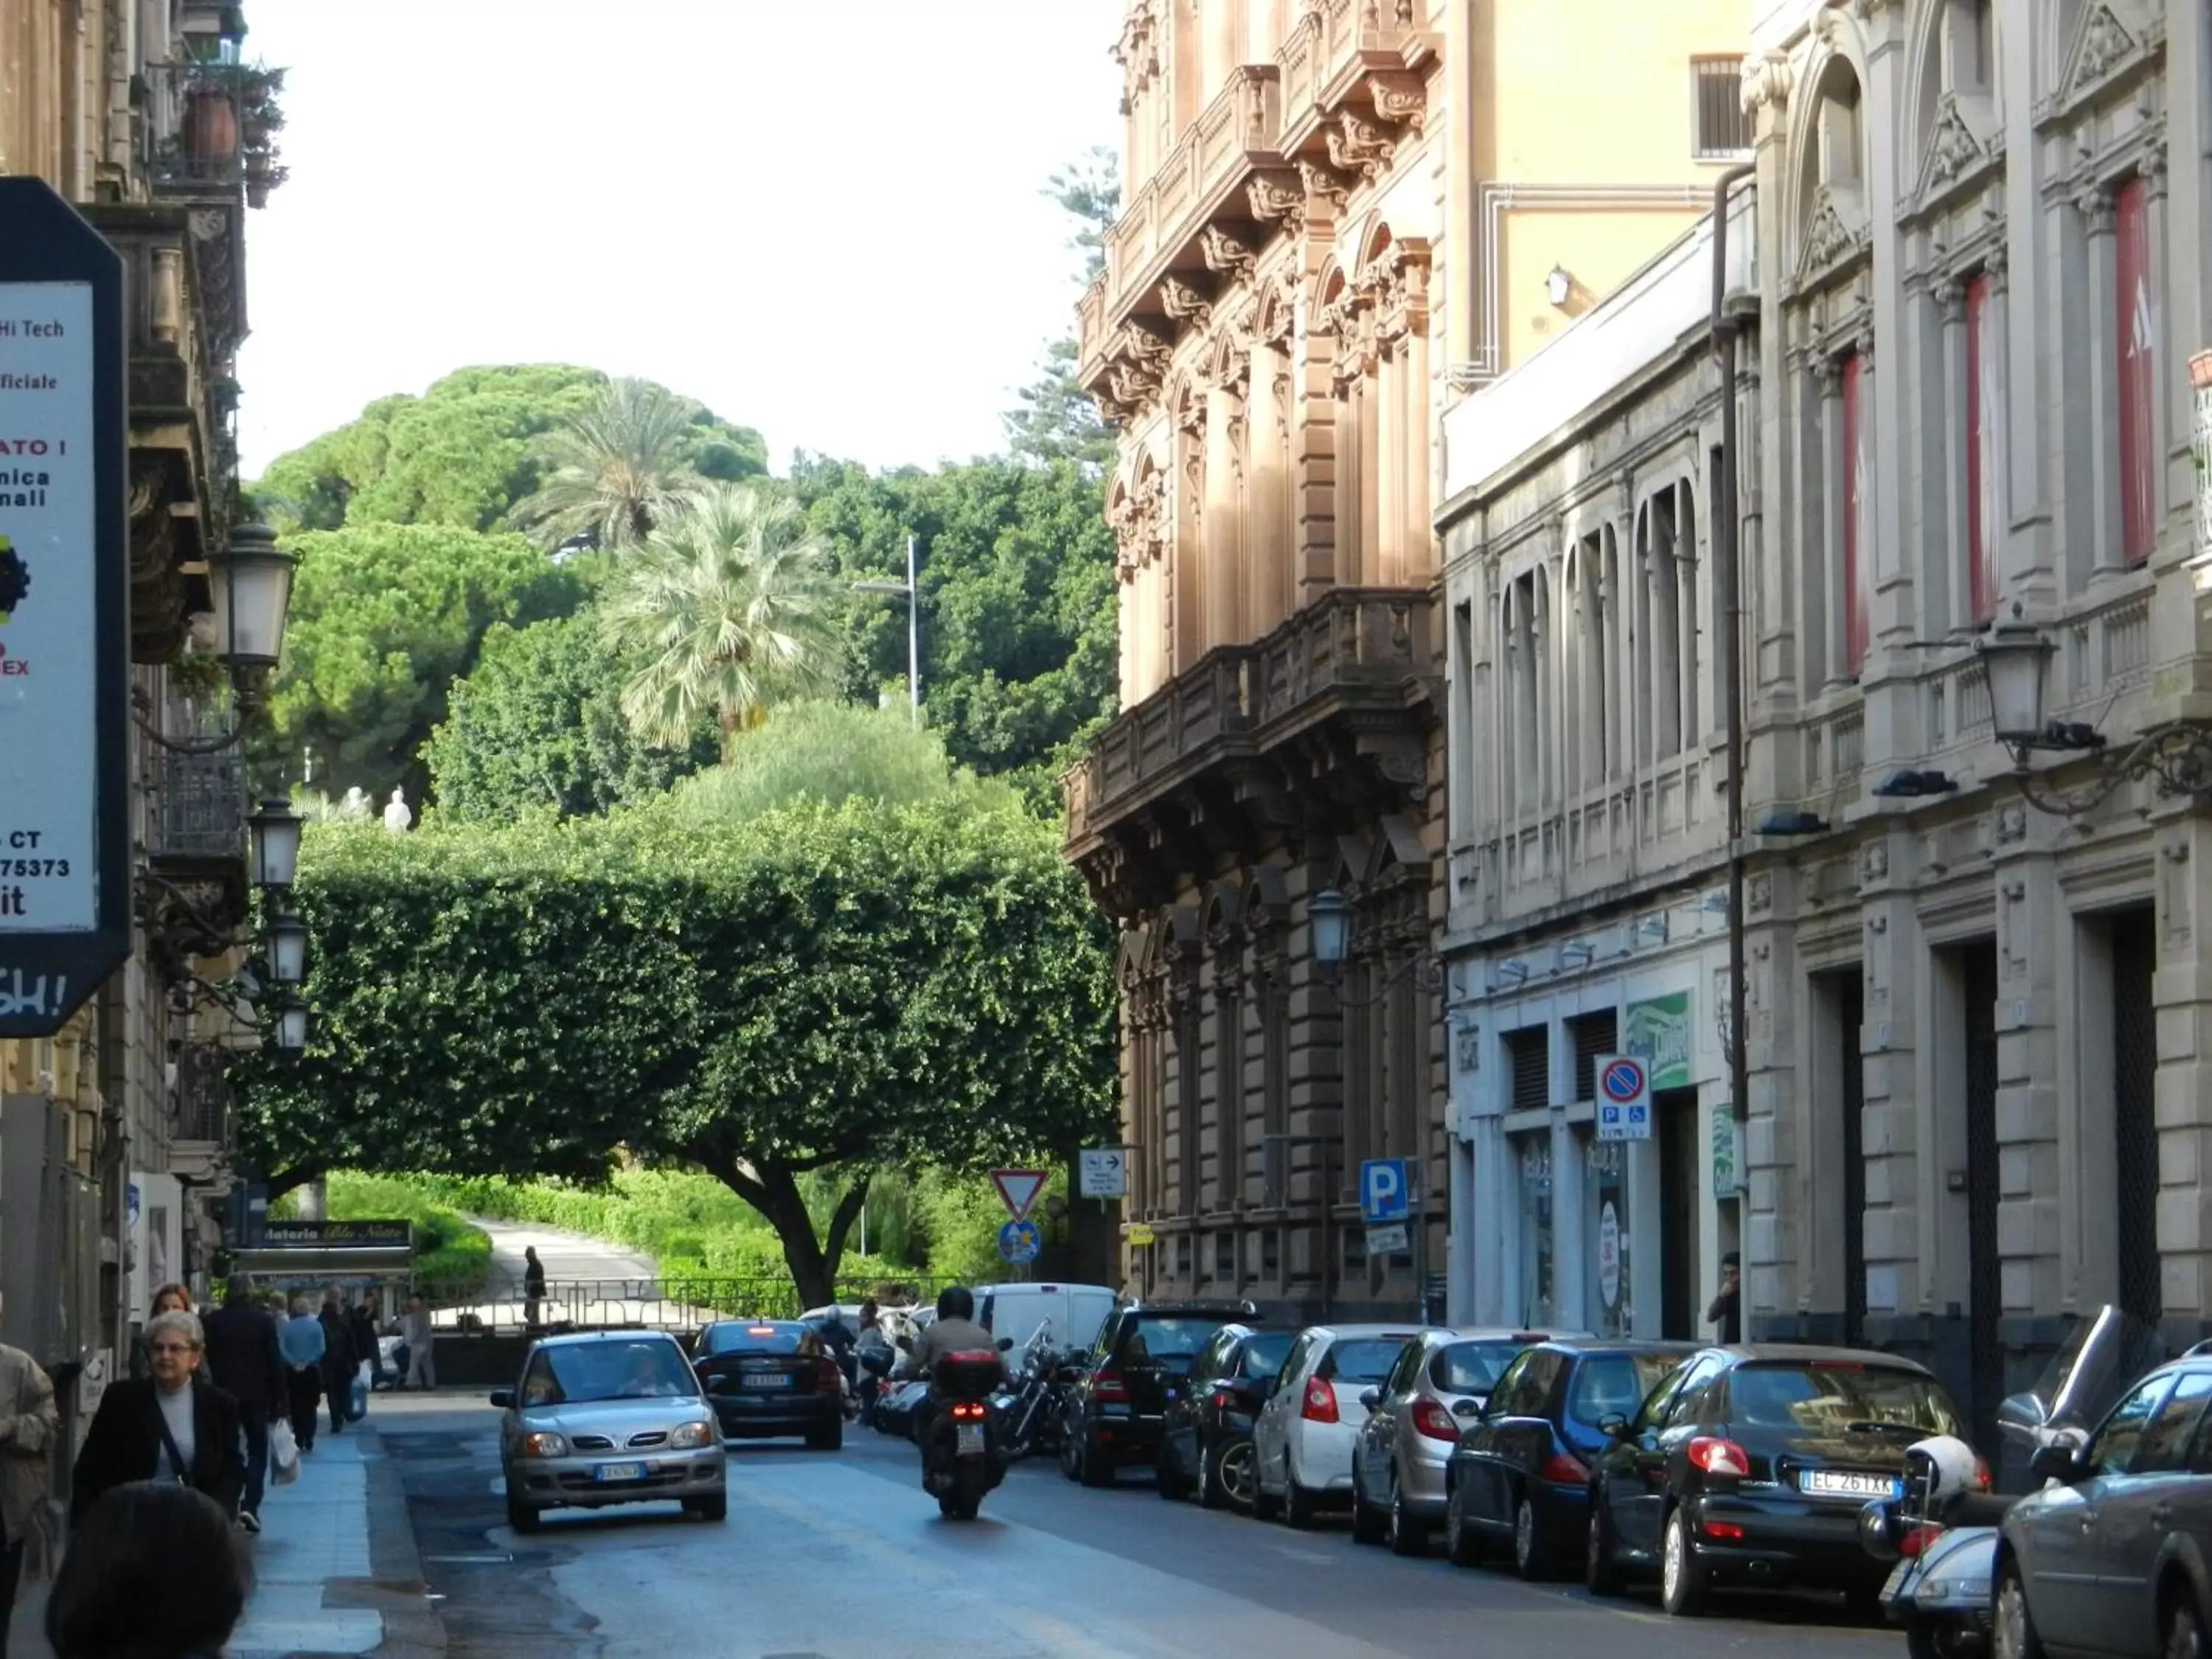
[544, 1444]
[689, 1437]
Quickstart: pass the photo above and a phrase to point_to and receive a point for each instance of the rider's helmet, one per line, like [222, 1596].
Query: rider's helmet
[956, 1302]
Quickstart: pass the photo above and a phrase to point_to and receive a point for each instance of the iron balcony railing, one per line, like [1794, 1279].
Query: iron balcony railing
[210, 128]
[200, 812]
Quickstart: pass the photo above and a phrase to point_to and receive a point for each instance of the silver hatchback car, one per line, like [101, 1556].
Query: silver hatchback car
[605, 1417]
[1414, 1419]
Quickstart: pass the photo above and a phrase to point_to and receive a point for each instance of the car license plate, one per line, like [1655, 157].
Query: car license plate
[1844, 1483]
[767, 1380]
[618, 1472]
[971, 1440]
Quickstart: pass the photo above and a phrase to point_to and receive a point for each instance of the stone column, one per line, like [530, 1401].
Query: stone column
[2101, 419]
[2035, 934]
[2184, 991]
[1835, 602]
[1223, 593]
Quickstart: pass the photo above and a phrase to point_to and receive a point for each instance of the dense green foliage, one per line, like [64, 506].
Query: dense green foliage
[827, 753]
[1017, 618]
[811, 989]
[385, 617]
[614, 472]
[538, 725]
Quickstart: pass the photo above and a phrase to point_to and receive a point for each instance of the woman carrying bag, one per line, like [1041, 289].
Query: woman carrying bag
[173, 1425]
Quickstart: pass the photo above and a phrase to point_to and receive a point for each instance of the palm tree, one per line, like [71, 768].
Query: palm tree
[726, 606]
[614, 472]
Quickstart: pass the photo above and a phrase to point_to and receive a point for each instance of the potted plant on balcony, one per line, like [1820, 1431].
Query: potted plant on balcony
[210, 123]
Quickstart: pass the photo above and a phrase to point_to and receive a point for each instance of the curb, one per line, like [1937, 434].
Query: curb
[412, 1628]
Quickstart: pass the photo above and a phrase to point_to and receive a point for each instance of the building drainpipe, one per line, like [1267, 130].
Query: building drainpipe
[1728, 592]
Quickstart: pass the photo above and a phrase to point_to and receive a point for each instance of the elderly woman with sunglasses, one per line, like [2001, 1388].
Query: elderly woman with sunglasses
[173, 1425]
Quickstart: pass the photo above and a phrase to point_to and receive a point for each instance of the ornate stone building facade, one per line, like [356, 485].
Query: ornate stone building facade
[1976, 1014]
[1340, 213]
[113, 1139]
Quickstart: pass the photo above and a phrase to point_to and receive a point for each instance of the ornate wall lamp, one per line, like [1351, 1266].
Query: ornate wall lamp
[250, 583]
[1329, 915]
[176, 925]
[2016, 659]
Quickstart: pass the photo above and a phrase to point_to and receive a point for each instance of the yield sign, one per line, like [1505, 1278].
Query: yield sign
[1018, 1189]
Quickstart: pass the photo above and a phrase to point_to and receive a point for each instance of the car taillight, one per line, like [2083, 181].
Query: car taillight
[1723, 1529]
[1321, 1402]
[1981, 1475]
[1433, 1420]
[967, 1411]
[1917, 1540]
[1108, 1385]
[1562, 1470]
[1223, 1400]
[1717, 1456]
[827, 1374]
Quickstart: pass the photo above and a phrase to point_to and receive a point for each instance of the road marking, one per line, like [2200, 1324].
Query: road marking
[472, 1560]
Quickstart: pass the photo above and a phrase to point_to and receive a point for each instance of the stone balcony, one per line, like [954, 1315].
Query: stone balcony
[1345, 57]
[1320, 724]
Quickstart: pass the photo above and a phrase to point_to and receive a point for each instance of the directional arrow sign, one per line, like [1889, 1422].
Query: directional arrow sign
[1018, 1189]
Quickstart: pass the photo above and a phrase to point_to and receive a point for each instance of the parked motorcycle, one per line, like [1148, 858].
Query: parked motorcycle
[1029, 1407]
[962, 1453]
[1942, 1531]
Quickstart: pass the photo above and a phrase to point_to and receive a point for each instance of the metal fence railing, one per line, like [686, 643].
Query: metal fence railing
[666, 1304]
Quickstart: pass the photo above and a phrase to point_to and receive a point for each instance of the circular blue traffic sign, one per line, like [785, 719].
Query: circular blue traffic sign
[1622, 1080]
[1020, 1242]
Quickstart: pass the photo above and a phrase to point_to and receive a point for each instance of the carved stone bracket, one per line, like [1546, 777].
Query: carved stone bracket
[1326, 192]
[1359, 146]
[1224, 254]
[1399, 99]
[1185, 303]
[1139, 521]
[1278, 198]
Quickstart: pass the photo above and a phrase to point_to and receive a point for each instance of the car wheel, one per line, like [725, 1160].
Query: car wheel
[522, 1516]
[830, 1437]
[2181, 1631]
[1529, 1546]
[1601, 1577]
[1366, 1525]
[1168, 1478]
[1071, 1456]
[2012, 1632]
[1298, 1508]
[1463, 1542]
[1938, 1638]
[1409, 1535]
[1230, 1472]
[716, 1508]
[1682, 1582]
[1098, 1469]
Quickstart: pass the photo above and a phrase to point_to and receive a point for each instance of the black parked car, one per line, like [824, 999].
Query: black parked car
[1116, 1413]
[1206, 1437]
[2112, 1559]
[765, 1376]
[1752, 1464]
[1520, 1473]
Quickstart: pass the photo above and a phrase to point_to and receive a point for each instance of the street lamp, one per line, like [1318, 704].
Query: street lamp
[907, 591]
[1328, 917]
[288, 949]
[292, 1025]
[2015, 658]
[250, 588]
[274, 830]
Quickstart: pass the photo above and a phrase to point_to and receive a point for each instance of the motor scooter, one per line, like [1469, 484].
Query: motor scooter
[963, 1452]
[1942, 1532]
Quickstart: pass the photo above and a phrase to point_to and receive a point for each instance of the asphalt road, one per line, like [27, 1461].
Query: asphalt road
[842, 1556]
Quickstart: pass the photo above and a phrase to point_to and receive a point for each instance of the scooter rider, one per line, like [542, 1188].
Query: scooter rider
[954, 1331]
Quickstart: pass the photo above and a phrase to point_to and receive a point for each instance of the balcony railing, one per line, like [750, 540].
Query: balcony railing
[210, 130]
[202, 1095]
[1364, 645]
[199, 814]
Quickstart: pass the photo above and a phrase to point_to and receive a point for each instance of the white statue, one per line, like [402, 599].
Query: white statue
[356, 804]
[398, 815]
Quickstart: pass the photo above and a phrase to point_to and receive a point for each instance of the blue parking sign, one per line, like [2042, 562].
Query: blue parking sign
[1386, 1190]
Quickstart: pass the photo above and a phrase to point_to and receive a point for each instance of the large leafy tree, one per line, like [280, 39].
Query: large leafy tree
[537, 725]
[725, 608]
[613, 471]
[790, 1001]
[1056, 418]
[385, 617]
[1018, 623]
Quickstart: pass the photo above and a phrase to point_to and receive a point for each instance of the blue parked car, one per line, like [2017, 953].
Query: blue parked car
[1521, 1474]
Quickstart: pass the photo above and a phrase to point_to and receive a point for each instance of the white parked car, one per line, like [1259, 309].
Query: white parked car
[1303, 1440]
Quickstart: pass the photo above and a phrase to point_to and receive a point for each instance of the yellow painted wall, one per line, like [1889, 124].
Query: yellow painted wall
[1599, 250]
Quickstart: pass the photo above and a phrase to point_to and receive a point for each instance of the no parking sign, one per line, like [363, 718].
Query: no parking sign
[1624, 1098]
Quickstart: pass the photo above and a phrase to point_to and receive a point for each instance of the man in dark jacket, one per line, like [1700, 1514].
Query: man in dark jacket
[171, 1425]
[243, 1361]
[340, 1363]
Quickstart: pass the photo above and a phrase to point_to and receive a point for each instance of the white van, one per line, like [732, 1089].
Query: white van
[1077, 1312]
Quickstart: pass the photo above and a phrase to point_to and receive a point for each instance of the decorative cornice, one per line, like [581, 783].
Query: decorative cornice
[2094, 204]
[1767, 79]
[2103, 41]
[1953, 147]
[1830, 239]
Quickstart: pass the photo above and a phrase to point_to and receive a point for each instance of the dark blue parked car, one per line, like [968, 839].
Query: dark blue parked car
[1521, 1474]
[1206, 1441]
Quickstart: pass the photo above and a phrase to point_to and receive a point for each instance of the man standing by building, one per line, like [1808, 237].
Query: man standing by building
[1726, 1310]
[28, 1423]
[417, 1333]
[244, 1360]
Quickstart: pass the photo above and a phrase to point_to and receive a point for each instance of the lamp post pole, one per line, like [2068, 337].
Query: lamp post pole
[1727, 594]
[910, 590]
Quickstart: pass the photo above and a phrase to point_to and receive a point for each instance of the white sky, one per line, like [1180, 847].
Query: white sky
[819, 217]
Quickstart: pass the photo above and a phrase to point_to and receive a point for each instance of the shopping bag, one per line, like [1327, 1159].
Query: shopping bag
[283, 1453]
[357, 1400]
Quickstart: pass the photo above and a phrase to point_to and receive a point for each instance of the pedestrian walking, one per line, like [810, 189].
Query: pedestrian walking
[173, 1425]
[366, 1347]
[341, 1364]
[533, 1285]
[1727, 1309]
[153, 1571]
[301, 1341]
[27, 1434]
[167, 1299]
[416, 1331]
[245, 1360]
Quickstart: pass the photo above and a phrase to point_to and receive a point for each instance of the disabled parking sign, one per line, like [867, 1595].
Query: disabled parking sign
[1624, 1098]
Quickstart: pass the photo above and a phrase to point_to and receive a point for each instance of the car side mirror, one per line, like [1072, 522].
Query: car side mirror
[503, 1398]
[1371, 1398]
[1006, 1345]
[2060, 1462]
[1614, 1425]
[1466, 1408]
[906, 1345]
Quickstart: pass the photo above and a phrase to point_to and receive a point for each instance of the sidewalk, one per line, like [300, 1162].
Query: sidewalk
[335, 1568]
